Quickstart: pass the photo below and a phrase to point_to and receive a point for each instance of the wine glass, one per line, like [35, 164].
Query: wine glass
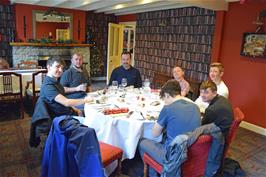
[115, 85]
[124, 82]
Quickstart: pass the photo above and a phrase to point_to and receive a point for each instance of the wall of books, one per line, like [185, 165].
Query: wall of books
[7, 31]
[97, 28]
[175, 37]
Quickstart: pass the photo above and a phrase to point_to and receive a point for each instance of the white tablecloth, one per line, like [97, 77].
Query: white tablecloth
[119, 130]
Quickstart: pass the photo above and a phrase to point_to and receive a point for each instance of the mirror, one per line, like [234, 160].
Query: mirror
[52, 24]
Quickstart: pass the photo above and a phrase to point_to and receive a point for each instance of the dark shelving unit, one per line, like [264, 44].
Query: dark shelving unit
[7, 31]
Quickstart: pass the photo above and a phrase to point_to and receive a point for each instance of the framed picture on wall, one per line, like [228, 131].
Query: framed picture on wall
[254, 45]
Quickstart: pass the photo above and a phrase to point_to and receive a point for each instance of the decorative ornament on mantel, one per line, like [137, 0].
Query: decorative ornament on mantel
[50, 41]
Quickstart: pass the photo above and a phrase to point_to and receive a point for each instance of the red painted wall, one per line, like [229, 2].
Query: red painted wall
[22, 10]
[5, 2]
[245, 76]
[43, 29]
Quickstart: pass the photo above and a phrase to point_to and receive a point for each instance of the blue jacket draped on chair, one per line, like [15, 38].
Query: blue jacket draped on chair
[71, 149]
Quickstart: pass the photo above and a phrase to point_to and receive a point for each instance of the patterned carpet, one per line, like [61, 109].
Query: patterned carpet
[249, 149]
[17, 159]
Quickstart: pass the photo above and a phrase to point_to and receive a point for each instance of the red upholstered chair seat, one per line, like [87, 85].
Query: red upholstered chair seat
[111, 153]
[195, 164]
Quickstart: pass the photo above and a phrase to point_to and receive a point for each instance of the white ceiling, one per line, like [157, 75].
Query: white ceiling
[122, 7]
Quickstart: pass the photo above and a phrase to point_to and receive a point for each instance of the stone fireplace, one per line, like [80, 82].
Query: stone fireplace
[40, 53]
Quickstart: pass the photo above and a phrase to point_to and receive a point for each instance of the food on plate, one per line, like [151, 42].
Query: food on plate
[109, 111]
[149, 117]
[121, 99]
[141, 104]
[101, 100]
[155, 103]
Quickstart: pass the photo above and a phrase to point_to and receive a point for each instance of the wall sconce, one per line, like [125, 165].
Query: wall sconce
[165, 22]
[162, 23]
[24, 26]
[260, 22]
[78, 29]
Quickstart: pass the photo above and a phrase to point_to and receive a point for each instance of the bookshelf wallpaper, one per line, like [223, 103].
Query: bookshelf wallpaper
[7, 31]
[180, 37]
[97, 26]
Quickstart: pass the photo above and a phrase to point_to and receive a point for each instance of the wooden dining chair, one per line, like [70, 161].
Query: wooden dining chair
[194, 90]
[159, 80]
[33, 86]
[11, 89]
[195, 164]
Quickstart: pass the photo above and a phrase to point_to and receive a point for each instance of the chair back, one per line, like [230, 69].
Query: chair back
[11, 89]
[194, 90]
[34, 85]
[195, 164]
[37, 80]
[159, 80]
[238, 117]
[10, 83]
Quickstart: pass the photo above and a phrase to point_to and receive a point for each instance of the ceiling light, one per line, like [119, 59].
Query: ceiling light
[119, 6]
[146, 1]
[86, 2]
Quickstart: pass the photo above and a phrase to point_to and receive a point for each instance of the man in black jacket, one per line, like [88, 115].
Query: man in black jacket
[219, 110]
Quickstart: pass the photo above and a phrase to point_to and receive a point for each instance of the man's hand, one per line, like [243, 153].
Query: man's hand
[77, 111]
[82, 87]
[88, 99]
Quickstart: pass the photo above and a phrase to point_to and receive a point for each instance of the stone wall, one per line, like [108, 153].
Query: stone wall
[36, 53]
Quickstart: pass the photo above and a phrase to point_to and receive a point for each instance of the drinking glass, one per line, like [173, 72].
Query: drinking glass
[84, 87]
[124, 82]
[115, 85]
[146, 83]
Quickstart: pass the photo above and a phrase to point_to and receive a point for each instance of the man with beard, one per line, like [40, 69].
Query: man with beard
[126, 71]
[76, 79]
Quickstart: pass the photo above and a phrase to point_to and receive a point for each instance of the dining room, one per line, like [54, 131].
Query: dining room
[159, 35]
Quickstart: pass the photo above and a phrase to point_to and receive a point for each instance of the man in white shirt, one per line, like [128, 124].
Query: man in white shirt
[215, 74]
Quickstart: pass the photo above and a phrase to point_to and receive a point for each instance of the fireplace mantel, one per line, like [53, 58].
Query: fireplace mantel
[49, 45]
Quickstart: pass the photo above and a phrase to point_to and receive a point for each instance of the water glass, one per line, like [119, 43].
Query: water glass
[124, 82]
[84, 86]
[146, 83]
